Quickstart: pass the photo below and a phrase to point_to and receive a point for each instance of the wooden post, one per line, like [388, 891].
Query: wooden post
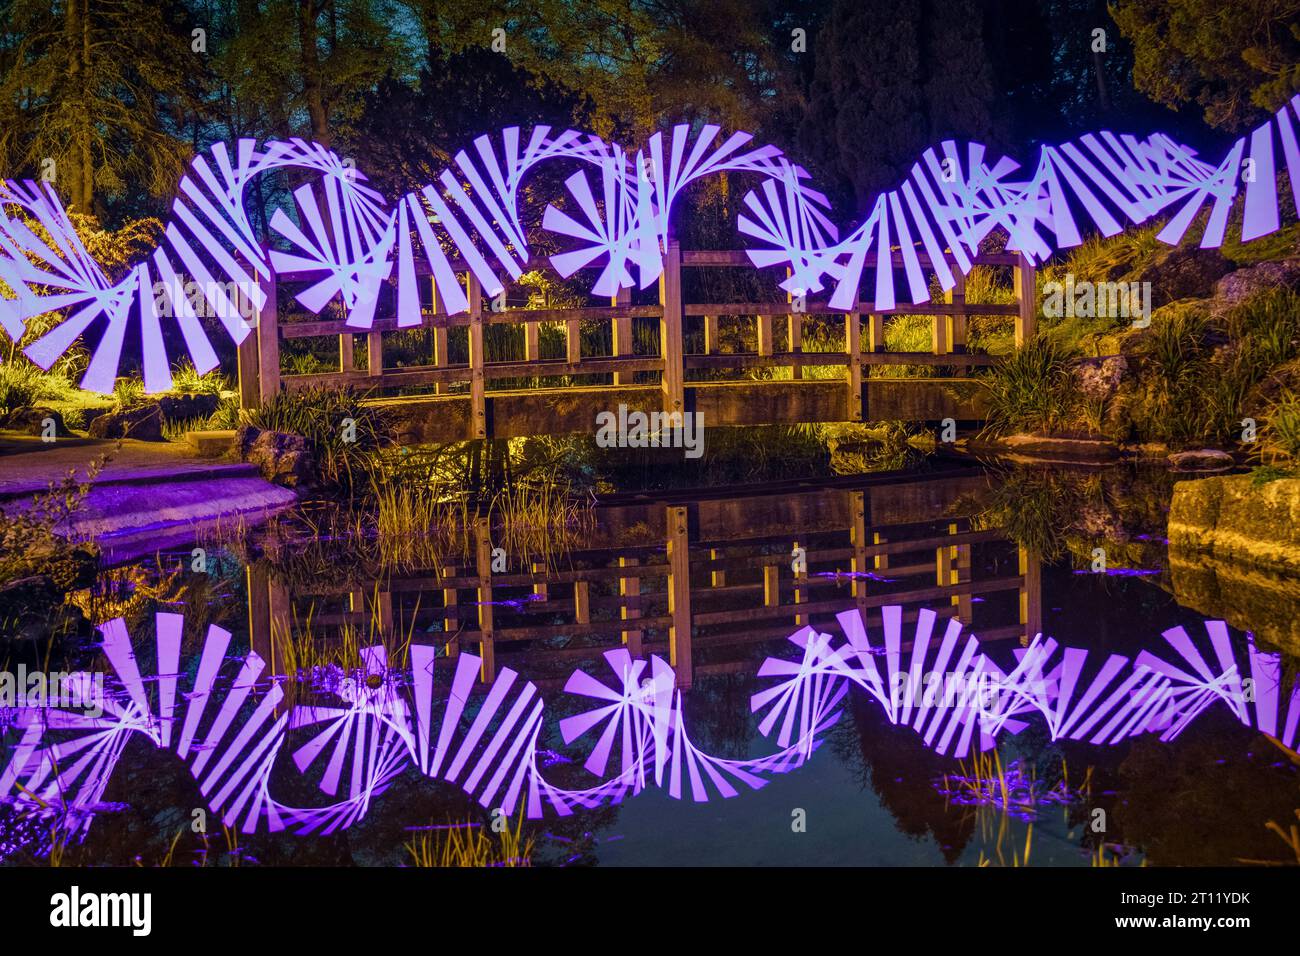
[800, 591]
[957, 321]
[582, 601]
[573, 341]
[717, 579]
[670, 333]
[532, 341]
[1027, 299]
[629, 587]
[246, 362]
[710, 335]
[961, 575]
[939, 335]
[374, 354]
[622, 331]
[875, 332]
[794, 336]
[268, 342]
[771, 585]
[853, 349]
[439, 337]
[882, 559]
[858, 539]
[477, 382]
[347, 352]
[679, 595]
[279, 610]
[1031, 594]
[483, 562]
[259, 613]
[944, 571]
[539, 587]
[450, 625]
[765, 334]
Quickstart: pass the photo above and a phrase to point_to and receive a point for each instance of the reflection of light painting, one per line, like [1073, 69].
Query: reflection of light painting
[349, 240]
[230, 728]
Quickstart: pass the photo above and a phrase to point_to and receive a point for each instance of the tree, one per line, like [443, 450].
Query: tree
[95, 96]
[1238, 61]
[891, 78]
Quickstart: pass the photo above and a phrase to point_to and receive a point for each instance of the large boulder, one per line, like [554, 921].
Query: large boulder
[142, 422]
[1242, 284]
[281, 457]
[189, 406]
[1235, 518]
[1186, 273]
[31, 421]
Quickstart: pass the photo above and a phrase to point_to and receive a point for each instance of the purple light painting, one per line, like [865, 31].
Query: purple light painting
[350, 240]
[230, 728]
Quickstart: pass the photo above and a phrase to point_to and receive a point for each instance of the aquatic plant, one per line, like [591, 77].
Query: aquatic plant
[467, 845]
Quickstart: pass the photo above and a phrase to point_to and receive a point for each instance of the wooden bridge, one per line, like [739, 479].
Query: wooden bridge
[701, 579]
[483, 399]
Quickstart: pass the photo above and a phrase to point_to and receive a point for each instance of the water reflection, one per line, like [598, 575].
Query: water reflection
[439, 674]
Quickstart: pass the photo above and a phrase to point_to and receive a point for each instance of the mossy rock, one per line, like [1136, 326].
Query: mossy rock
[1231, 517]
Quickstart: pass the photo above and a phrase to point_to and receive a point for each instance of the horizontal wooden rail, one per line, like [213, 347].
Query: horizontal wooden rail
[779, 330]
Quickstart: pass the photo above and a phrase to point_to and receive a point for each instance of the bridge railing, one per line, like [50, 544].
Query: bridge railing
[261, 374]
[699, 582]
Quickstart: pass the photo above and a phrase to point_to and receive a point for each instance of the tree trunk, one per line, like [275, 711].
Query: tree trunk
[80, 170]
[312, 89]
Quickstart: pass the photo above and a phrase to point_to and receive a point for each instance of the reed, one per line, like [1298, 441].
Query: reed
[467, 845]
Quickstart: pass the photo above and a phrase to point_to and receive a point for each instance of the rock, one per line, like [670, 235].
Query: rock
[1233, 518]
[141, 422]
[1263, 601]
[1099, 378]
[1202, 459]
[281, 457]
[31, 421]
[1186, 273]
[189, 406]
[1237, 286]
[33, 609]
[1050, 448]
[211, 443]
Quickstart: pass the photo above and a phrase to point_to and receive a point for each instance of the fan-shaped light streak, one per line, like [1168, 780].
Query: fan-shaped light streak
[346, 240]
[229, 723]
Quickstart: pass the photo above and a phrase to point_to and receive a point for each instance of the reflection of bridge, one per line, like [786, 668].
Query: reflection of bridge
[479, 398]
[698, 578]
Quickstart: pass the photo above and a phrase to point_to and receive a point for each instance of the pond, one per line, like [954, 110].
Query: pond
[269, 699]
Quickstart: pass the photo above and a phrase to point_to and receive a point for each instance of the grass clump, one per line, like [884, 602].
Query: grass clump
[1032, 390]
[340, 429]
[467, 845]
[19, 387]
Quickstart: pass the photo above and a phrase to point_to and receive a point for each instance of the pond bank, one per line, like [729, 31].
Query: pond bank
[144, 494]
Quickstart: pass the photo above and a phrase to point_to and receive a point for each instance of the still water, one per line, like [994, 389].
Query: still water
[298, 705]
